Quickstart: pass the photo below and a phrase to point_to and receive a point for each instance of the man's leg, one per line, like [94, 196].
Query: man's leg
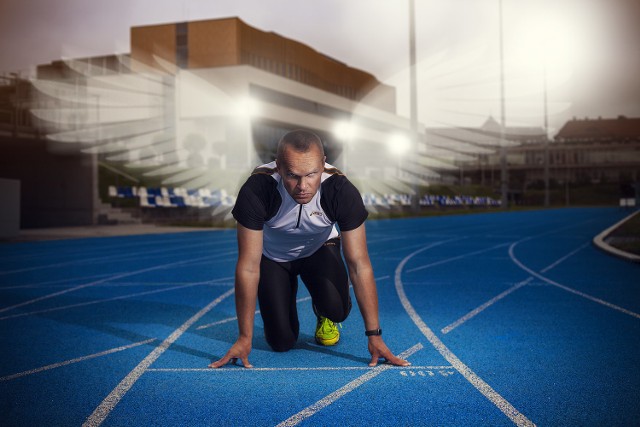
[277, 299]
[325, 275]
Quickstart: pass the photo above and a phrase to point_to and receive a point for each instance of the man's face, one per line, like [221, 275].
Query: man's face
[301, 173]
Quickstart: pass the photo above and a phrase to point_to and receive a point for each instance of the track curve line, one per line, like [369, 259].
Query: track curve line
[519, 263]
[500, 402]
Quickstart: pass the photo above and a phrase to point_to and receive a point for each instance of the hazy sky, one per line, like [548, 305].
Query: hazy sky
[592, 47]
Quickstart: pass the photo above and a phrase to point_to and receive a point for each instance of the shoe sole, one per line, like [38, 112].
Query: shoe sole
[329, 342]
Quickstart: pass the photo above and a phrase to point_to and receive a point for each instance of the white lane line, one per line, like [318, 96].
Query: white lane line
[104, 259]
[422, 267]
[107, 279]
[328, 400]
[231, 319]
[515, 287]
[564, 258]
[387, 250]
[375, 241]
[221, 322]
[566, 288]
[104, 250]
[52, 283]
[484, 388]
[484, 306]
[100, 301]
[155, 284]
[76, 360]
[104, 409]
[317, 368]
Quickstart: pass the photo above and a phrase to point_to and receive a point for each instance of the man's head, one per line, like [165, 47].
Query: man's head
[300, 162]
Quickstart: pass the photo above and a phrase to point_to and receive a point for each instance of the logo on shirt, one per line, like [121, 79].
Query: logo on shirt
[315, 213]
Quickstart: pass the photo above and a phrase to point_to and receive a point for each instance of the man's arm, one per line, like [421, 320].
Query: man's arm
[354, 243]
[246, 285]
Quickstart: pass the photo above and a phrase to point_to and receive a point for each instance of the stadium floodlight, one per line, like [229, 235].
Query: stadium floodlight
[344, 131]
[399, 145]
[247, 107]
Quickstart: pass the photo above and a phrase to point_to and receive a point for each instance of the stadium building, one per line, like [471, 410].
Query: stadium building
[181, 120]
[193, 108]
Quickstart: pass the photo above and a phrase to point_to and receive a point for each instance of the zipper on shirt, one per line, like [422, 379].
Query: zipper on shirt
[299, 215]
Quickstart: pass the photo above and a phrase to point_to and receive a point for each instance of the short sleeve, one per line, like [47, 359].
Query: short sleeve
[342, 202]
[255, 201]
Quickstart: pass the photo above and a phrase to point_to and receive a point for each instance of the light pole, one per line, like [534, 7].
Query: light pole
[546, 138]
[95, 216]
[503, 155]
[413, 98]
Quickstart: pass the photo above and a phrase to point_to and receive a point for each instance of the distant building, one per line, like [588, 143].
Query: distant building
[229, 91]
[242, 88]
[199, 104]
[230, 42]
[196, 105]
[475, 152]
[588, 151]
[598, 150]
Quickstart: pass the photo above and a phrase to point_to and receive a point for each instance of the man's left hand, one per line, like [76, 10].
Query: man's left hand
[379, 349]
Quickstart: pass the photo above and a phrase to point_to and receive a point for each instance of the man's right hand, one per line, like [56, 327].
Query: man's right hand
[239, 350]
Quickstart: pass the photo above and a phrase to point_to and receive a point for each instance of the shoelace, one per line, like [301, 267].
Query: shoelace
[328, 325]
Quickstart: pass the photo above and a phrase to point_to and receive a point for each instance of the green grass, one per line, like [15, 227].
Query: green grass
[627, 236]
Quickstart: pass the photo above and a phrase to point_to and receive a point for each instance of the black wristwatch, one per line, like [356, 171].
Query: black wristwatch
[373, 332]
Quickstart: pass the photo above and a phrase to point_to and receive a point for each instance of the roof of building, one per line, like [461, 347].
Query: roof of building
[491, 127]
[479, 139]
[618, 128]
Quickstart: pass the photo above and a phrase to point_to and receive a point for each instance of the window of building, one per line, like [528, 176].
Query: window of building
[182, 45]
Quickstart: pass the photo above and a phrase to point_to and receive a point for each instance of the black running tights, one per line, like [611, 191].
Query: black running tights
[325, 276]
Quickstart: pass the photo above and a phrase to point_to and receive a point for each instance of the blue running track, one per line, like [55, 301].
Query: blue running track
[507, 318]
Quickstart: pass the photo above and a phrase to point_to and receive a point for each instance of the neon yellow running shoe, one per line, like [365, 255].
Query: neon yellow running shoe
[327, 332]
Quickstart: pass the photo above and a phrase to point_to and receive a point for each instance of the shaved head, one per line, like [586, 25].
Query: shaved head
[300, 141]
[300, 163]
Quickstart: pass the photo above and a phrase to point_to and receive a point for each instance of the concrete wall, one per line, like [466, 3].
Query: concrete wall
[9, 208]
[55, 189]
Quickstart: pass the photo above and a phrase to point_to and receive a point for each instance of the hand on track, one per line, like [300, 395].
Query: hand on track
[379, 349]
[239, 350]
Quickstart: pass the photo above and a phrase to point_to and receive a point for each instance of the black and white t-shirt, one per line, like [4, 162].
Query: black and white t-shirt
[292, 230]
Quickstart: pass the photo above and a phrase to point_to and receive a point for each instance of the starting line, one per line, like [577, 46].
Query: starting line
[317, 368]
[328, 400]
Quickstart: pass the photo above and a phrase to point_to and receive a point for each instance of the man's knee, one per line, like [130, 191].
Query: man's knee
[281, 340]
[338, 316]
[336, 312]
[281, 344]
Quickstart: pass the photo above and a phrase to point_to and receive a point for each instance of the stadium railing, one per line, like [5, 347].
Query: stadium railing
[169, 197]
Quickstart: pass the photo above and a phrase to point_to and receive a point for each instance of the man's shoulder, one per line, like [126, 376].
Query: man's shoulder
[332, 173]
[263, 178]
[333, 181]
[268, 169]
[258, 199]
[260, 182]
[264, 171]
